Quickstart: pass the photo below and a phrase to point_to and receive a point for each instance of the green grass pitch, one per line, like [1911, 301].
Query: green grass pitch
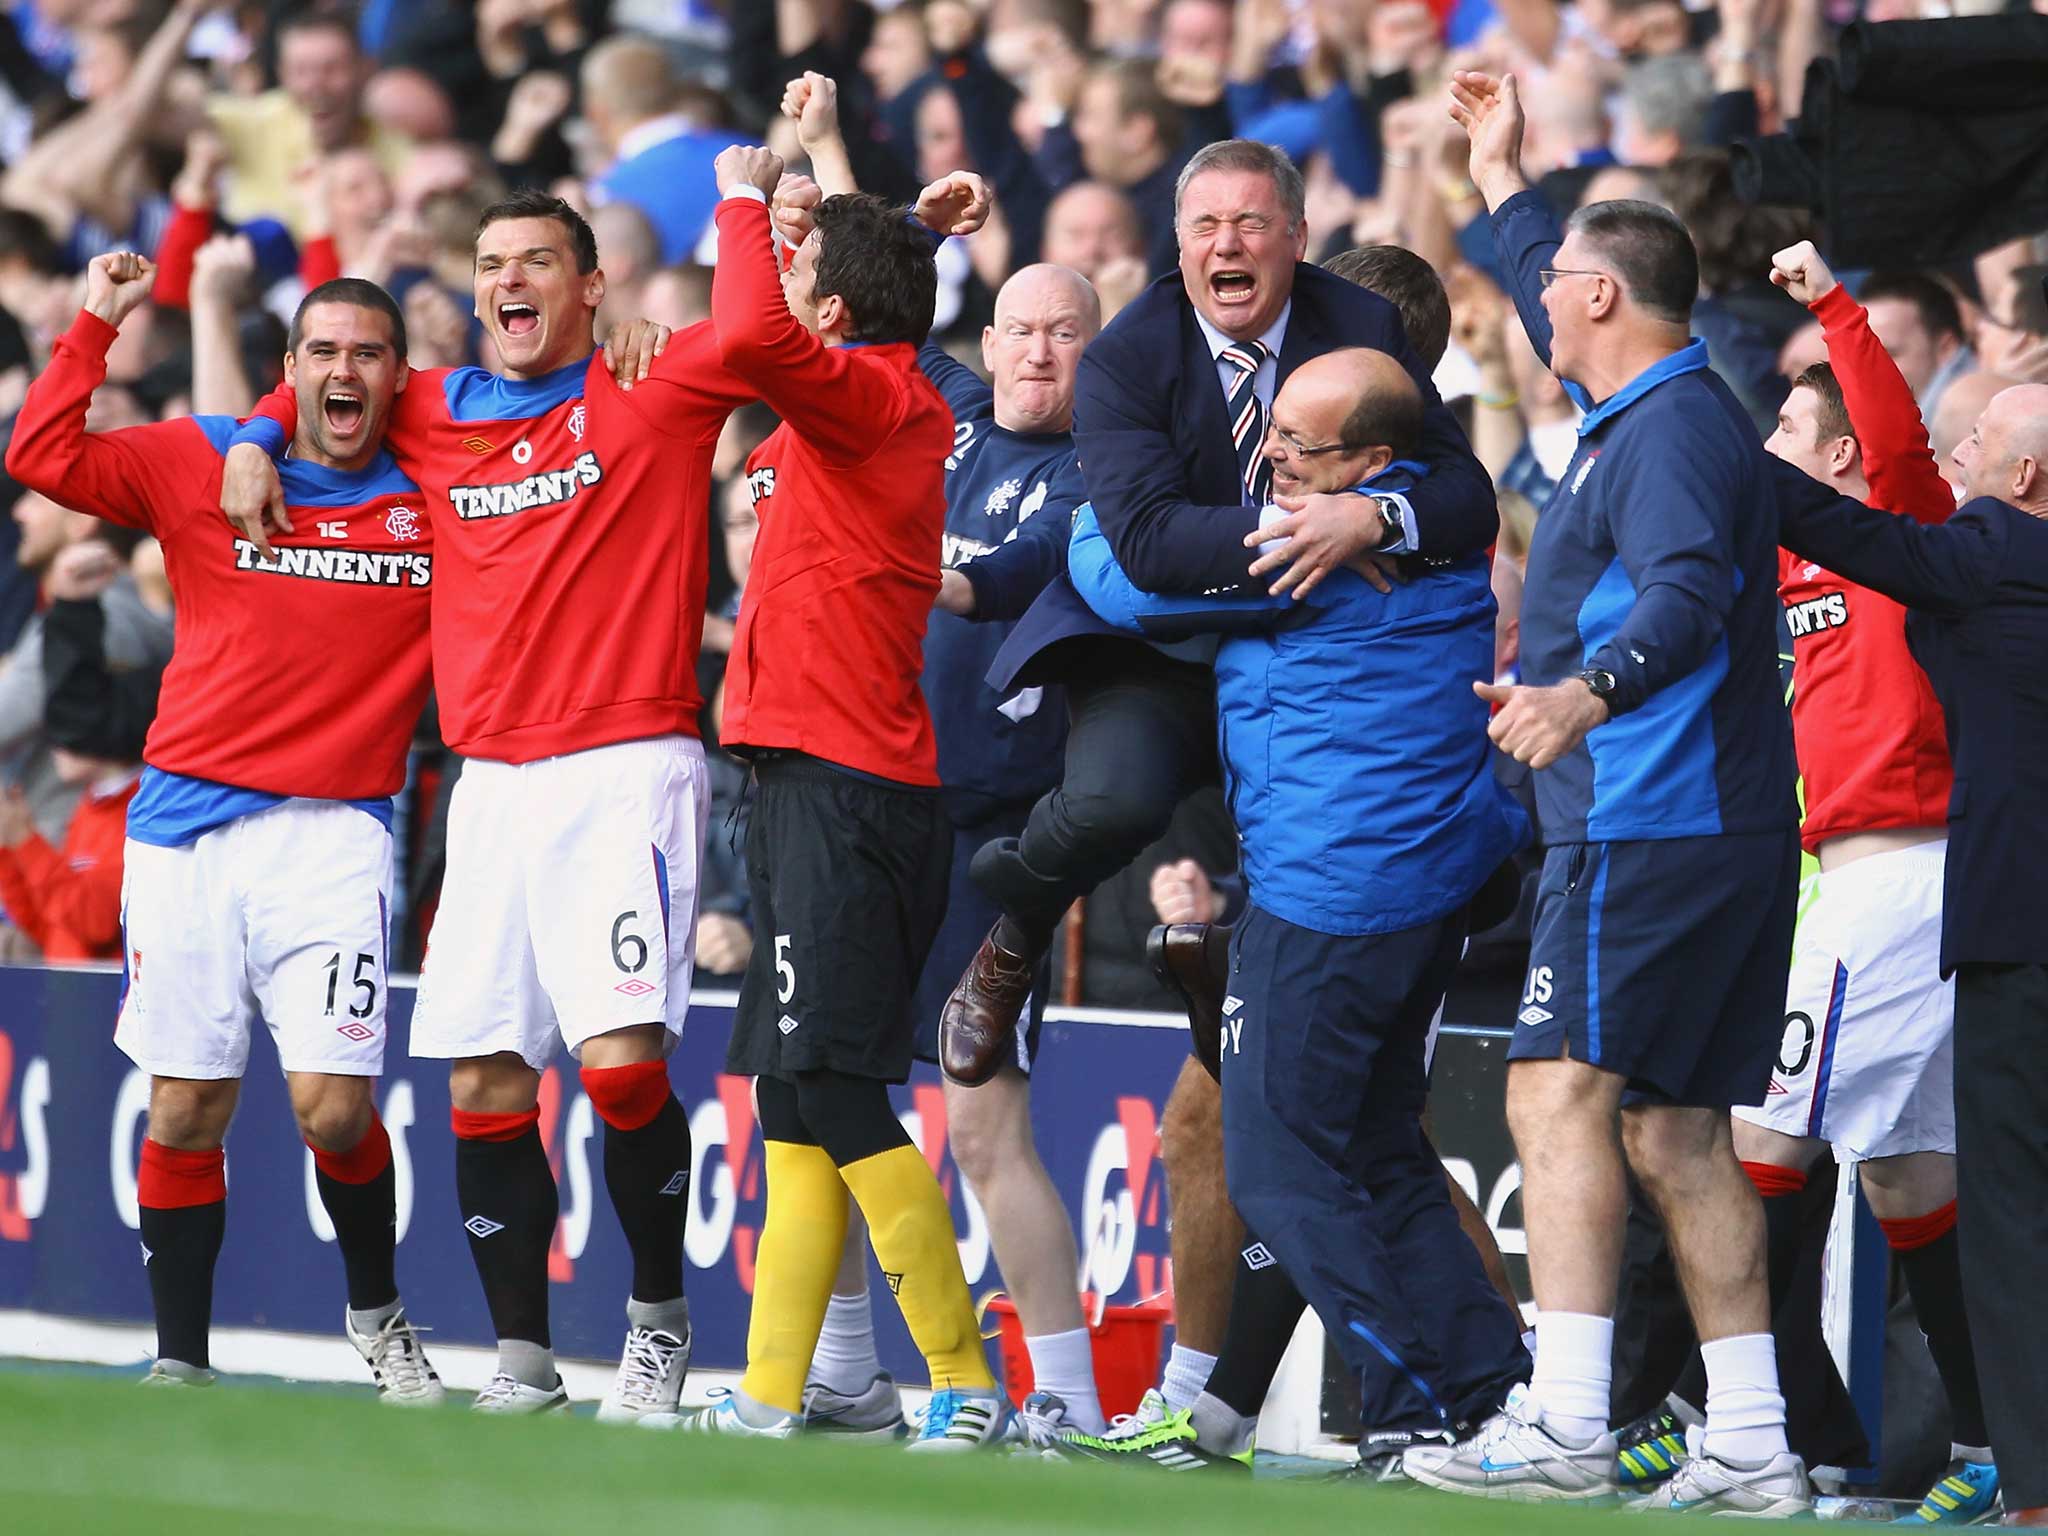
[90, 1452]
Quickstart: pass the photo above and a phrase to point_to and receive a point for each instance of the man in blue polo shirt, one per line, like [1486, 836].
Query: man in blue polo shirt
[1663, 929]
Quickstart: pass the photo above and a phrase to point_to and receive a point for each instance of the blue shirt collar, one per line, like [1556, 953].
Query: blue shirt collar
[307, 484]
[1689, 359]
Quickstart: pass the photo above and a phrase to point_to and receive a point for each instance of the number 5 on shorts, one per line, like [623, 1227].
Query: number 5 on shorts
[785, 973]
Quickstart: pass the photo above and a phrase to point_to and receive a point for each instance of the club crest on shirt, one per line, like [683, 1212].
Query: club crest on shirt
[576, 422]
[1000, 498]
[403, 524]
[1585, 468]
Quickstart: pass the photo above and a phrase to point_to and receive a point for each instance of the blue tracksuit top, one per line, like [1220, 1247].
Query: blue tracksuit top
[998, 485]
[1354, 750]
[1656, 560]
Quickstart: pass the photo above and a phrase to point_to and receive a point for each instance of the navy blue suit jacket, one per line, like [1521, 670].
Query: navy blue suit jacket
[1153, 437]
[1977, 590]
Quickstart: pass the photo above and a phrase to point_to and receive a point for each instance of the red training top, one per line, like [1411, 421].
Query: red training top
[302, 678]
[571, 521]
[851, 494]
[1871, 743]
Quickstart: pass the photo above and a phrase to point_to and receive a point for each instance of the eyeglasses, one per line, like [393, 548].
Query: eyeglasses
[1550, 275]
[1296, 448]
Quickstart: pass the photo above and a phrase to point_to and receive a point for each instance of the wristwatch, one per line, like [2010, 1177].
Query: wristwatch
[1390, 518]
[1601, 681]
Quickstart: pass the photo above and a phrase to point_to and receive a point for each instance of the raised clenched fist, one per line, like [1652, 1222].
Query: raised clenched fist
[116, 283]
[1799, 270]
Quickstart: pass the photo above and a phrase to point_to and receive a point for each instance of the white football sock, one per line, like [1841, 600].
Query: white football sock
[845, 1359]
[1574, 1374]
[1064, 1365]
[1745, 1410]
[1187, 1372]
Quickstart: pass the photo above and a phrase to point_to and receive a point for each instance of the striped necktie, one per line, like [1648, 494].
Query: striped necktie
[1248, 418]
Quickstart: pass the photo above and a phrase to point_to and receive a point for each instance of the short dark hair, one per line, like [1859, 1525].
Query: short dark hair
[873, 256]
[360, 292]
[1390, 414]
[1830, 410]
[1937, 307]
[1138, 95]
[1411, 285]
[1651, 253]
[532, 203]
[319, 21]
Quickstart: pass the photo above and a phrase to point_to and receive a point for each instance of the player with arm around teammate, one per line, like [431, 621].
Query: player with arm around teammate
[258, 859]
[570, 509]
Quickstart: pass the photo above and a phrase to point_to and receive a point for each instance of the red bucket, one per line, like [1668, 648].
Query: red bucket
[1124, 1340]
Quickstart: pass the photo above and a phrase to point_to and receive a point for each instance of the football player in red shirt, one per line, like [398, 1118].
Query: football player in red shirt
[569, 511]
[258, 853]
[1866, 1063]
[848, 849]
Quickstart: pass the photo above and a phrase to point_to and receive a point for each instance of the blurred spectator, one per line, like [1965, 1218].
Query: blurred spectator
[1744, 321]
[316, 109]
[1126, 133]
[660, 135]
[1664, 108]
[66, 900]
[135, 637]
[632, 254]
[2012, 327]
[1920, 324]
[411, 104]
[91, 707]
[676, 296]
[1094, 229]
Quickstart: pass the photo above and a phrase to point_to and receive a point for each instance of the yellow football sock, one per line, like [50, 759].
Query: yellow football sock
[793, 1272]
[912, 1233]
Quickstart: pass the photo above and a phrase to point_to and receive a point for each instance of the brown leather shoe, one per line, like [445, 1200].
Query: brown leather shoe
[1193, 960]
[978, 1025]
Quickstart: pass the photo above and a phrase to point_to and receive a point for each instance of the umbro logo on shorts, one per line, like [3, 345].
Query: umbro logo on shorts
[786, 1024]
[1533, 1015]
[1259, 1256]
[634, 988]
[677, 1184]
[482, 1226]
[354, 1031]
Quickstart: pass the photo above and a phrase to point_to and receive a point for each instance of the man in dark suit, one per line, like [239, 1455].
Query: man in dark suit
[1977, 586]
[1171, 408]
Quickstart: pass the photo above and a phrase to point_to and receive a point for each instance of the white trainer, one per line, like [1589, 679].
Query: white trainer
[875, 1413]
[722, 1417]
[176, 1373]
[509, 1395]
[960, 1421]
[404, 1376]
[1512, 1456]
[1706, 1485]
[650, 1378]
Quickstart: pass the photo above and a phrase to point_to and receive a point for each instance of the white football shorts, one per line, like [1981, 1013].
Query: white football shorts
[280, 915]
[1867, 1062]
[570, 904]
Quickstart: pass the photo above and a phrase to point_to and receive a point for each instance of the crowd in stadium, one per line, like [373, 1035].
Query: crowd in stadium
[929, 508]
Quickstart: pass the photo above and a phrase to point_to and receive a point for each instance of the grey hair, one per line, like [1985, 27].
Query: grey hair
[1251, 156]
[1670, 94]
